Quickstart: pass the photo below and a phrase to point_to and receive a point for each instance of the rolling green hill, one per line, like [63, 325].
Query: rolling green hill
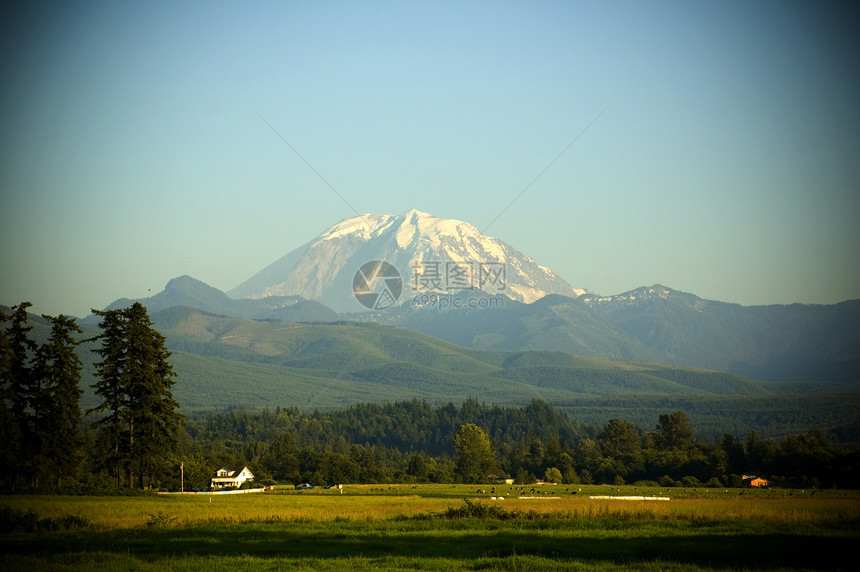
[226, 363]
[346, 360]
[776, 343]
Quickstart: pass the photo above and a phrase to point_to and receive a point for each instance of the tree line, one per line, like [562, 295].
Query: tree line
[130, 434]
[414, 441]
[136, 437]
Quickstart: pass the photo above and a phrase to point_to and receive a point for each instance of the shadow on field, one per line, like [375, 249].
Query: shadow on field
[460, 542]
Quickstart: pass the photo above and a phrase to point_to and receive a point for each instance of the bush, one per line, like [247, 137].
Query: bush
[646, 484]
[16, 520]
[667, 481]
[161, 520]
[97, 485]
[733, 481]
[689, 481]
[477, 510]
[552, 475]
[524, 477]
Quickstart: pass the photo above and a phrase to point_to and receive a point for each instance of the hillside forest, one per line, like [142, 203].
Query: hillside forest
[136, 439]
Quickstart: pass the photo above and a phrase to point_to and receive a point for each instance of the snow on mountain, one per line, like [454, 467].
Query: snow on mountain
[645, 295]
[431, 254]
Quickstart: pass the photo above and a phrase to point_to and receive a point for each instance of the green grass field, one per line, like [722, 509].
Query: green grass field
[436, 527]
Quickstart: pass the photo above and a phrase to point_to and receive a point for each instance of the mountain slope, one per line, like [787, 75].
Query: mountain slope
[777, 342]
[401, 358]
[656, 324]
[224, 362]
[774, 343]
[424, 249]
[187, 291]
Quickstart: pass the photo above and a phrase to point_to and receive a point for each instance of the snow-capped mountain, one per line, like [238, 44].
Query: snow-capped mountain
[429, 253]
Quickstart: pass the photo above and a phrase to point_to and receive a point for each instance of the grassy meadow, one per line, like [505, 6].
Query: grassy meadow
[436, 527]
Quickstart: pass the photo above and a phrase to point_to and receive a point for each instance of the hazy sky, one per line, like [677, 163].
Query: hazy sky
[726, 162]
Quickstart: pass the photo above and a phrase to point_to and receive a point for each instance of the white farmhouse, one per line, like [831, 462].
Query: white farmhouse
[231, 477]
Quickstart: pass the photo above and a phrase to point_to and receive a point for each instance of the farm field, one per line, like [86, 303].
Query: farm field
[436, 527]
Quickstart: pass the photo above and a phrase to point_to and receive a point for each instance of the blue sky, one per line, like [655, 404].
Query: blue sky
[726, 161]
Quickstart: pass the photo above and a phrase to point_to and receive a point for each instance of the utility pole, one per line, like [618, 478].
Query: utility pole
[182, 477]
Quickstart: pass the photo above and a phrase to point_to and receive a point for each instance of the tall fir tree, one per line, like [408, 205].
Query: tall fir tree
[9, 434]
[18, 433]
[152, 415]
[56, 407]
[135, 379]
[110, 447]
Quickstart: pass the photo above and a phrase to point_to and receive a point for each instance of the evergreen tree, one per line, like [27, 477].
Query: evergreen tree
[619, 440]
[730, 456]
[20, 356]
[110, 446]
[417, 467]
[622, 448]
[16, 421]
[57, 412]
[9, 431]
[135, 380]
[152, 415]
[281, 459]
[754, 451]
[535, 457]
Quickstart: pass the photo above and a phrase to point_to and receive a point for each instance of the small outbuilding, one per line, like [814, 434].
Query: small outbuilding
[753, 481]
[231, 477]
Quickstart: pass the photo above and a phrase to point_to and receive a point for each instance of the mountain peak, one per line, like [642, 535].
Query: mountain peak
[363, 226]
[413, 215]
[324, 268]
[410, 223]
[647, 295]
[184, 282]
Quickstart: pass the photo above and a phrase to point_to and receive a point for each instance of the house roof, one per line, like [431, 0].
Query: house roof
[231, 471]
